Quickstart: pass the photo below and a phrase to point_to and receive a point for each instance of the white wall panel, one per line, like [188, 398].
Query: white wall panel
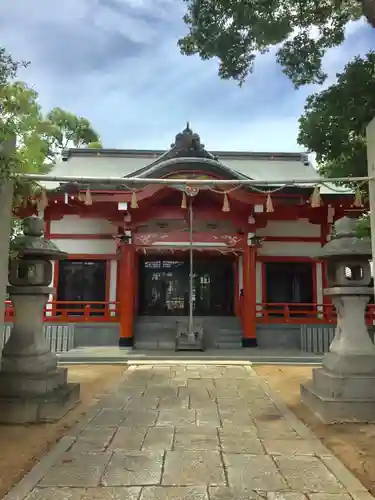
[93, 247]
[113, 285]
[73, 224]
[51, 297]
[300, 228]
[294, 249]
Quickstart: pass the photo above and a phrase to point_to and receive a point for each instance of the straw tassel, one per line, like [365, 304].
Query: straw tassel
[358, 201]
[269, 204]
[315, 200]
[226, 206]
[88, 197]
[184, 200]
[43, 201]
[134, 202]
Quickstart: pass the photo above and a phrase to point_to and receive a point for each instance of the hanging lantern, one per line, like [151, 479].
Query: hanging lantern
[88, 197]
[134, 202]
[358, 201]
[183, 200]
[315, 199]
[269, 204]
[226, 206]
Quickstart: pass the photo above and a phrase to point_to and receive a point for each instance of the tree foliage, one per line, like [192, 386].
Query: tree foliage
[40, 137]
[334, 124]
[334, 121]
[235, 31]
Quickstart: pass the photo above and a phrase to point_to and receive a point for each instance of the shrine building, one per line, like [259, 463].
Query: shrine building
[256, 278]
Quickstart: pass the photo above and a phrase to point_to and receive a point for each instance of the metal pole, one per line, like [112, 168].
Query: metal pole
[142, 181]
[370, 140]
[191, 264]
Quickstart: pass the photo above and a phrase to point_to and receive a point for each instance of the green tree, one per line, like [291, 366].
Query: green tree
[40, 137]
[235, 31]
[334, 123]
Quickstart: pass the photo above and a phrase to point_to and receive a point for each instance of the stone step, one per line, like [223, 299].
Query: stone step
[159, 332]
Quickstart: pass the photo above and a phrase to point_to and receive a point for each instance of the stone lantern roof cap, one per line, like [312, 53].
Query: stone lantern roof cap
[32, 242]
[345, 243]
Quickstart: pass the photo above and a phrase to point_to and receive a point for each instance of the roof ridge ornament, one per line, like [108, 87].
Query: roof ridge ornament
[187, 141]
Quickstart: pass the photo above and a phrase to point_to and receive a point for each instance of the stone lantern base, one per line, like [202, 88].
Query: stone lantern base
[343, 390]
[35, 398]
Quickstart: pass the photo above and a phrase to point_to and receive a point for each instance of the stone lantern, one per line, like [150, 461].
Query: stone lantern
[32, 387]
[343, 390]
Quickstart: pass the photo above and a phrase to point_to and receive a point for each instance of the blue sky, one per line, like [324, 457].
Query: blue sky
[117, 63]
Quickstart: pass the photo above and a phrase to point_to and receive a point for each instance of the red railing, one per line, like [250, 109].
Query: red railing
[73, 312]
[301, 313]
[103, 312]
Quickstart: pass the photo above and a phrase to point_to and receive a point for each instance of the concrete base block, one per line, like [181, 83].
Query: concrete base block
[331, 410]
[354, 364]
[336, 386]
[16, 384]
[49, 407]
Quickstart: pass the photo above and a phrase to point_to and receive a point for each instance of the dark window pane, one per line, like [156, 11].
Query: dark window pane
[291, 283]
[164, 286]
[81, 281]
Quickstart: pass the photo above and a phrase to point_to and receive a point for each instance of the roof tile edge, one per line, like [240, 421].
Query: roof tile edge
[155, 153]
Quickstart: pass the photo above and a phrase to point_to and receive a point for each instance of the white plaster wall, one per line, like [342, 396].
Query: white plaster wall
[51, 297]
[93, 247]
[113, 285]
[319, 283]
[300, 228]
[73, 224]
[293, 249]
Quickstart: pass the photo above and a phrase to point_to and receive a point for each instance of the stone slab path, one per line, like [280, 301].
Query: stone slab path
[194, 432]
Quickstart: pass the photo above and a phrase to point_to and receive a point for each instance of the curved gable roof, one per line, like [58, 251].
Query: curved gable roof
[188, 153]
[185, 164]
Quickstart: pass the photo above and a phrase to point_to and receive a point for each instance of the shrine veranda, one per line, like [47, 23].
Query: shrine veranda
[256, 278]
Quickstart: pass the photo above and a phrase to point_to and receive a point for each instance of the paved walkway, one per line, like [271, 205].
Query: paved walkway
[194, 432]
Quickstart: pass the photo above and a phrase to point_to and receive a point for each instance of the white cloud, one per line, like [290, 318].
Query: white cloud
[117, 62]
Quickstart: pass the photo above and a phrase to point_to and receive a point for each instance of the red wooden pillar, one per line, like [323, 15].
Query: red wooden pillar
[236, 288]
[249, 292]
[126, 298]
[136, 283]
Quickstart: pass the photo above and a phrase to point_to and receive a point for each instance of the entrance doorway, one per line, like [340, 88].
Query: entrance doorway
[164, 286]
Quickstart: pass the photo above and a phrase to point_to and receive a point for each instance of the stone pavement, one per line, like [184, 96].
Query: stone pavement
[194, 432]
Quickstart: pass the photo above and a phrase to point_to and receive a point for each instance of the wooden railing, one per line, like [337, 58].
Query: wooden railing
[300, 313]
[295, 313]
[73, 312]
[103, 312]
